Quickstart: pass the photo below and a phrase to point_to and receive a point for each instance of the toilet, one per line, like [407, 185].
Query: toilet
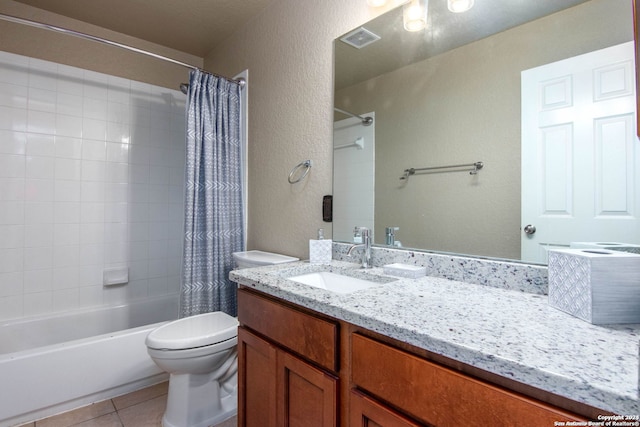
[200, 354]
[254, 258]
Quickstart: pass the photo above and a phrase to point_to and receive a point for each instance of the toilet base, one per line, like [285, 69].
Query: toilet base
[194, 400]
[217, 419]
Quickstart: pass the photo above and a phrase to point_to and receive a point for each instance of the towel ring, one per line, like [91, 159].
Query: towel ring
[306, 164]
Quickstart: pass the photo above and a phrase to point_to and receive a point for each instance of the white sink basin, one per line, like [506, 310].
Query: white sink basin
[334, 282]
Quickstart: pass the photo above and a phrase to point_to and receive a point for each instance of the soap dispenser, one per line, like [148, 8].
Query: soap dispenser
[390, 235]
[320, 249]
[357, 235]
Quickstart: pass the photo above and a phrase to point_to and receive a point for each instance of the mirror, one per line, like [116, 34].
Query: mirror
[450, 95]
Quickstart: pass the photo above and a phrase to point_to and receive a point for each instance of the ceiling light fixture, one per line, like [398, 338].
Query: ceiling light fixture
[414, 15]
[459, 6]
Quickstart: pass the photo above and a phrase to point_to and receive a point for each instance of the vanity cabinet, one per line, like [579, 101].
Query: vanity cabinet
[287, 363]
[440, 396]
[301, 368]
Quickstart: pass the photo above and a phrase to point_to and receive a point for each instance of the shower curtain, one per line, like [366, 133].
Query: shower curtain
[213, 227]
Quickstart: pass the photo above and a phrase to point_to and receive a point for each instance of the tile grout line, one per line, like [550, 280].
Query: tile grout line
[125, 408]
[128, 400]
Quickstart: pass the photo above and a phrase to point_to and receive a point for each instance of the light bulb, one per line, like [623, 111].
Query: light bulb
[459, 6]
[414, 15]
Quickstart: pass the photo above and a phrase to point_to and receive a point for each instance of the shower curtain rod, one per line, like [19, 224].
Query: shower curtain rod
[241, 82]
[366, 121]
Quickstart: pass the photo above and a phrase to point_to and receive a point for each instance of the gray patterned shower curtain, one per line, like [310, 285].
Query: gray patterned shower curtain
[213, 227]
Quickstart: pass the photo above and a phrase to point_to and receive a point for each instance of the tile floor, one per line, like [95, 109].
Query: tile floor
[142, 408]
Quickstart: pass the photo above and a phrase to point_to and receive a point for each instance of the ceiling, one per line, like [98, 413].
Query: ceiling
[445, 31]
[191, 26]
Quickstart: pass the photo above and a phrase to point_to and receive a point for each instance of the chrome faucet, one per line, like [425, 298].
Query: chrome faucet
[365, 245]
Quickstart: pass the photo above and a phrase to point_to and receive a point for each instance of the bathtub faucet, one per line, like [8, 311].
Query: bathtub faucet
[365, 233]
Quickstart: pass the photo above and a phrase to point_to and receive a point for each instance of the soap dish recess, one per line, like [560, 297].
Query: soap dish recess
[404, 270]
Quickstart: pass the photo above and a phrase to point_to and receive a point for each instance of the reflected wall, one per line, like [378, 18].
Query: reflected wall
[468, 110]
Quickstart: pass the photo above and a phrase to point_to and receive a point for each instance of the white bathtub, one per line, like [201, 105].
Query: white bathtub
[55, 363]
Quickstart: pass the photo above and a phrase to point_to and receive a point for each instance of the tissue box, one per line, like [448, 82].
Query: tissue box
[595, 285]
[320, 251]
[613, 246]
[404, 270]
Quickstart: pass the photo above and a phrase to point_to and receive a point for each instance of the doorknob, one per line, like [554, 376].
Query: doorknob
[529, 229]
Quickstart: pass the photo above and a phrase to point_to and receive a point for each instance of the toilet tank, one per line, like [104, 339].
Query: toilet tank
[250, 259]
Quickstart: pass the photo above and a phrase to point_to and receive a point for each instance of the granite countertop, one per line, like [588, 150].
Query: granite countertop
[510, 333]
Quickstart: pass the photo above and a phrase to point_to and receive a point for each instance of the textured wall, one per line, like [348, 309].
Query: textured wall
[468, 110]
[64, 49]
[289, 53]
[288, 50]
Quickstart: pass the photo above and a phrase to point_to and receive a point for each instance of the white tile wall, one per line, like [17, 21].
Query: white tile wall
[91, 177]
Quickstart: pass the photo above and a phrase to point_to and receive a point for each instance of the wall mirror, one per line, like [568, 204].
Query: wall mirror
[539, 94]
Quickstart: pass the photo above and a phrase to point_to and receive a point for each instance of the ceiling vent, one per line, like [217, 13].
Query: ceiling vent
[360, 38]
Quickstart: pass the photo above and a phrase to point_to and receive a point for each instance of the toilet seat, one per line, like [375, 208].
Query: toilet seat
[194, 352]
[194, 332]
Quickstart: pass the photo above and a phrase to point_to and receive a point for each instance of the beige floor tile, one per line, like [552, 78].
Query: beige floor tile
[140, 396]
[109, 420]
[79, 415]
[145, 414]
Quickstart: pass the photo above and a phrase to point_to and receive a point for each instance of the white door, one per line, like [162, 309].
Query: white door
[580, 154]
[353, 177]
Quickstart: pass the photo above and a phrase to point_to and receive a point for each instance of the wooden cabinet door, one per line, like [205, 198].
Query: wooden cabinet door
[307, 396]
[256, 381]
[366, 412]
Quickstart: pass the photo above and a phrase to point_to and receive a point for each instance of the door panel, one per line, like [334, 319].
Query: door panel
[307, 396]
[580, 156]
[256, 381]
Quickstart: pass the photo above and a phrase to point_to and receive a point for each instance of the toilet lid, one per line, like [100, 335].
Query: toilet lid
[194, 331]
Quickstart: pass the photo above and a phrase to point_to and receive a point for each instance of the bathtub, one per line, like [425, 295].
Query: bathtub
[54, 363]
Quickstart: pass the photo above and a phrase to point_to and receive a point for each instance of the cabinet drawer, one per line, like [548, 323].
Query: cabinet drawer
[441, 396]
[311, 337]
[365, 412]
